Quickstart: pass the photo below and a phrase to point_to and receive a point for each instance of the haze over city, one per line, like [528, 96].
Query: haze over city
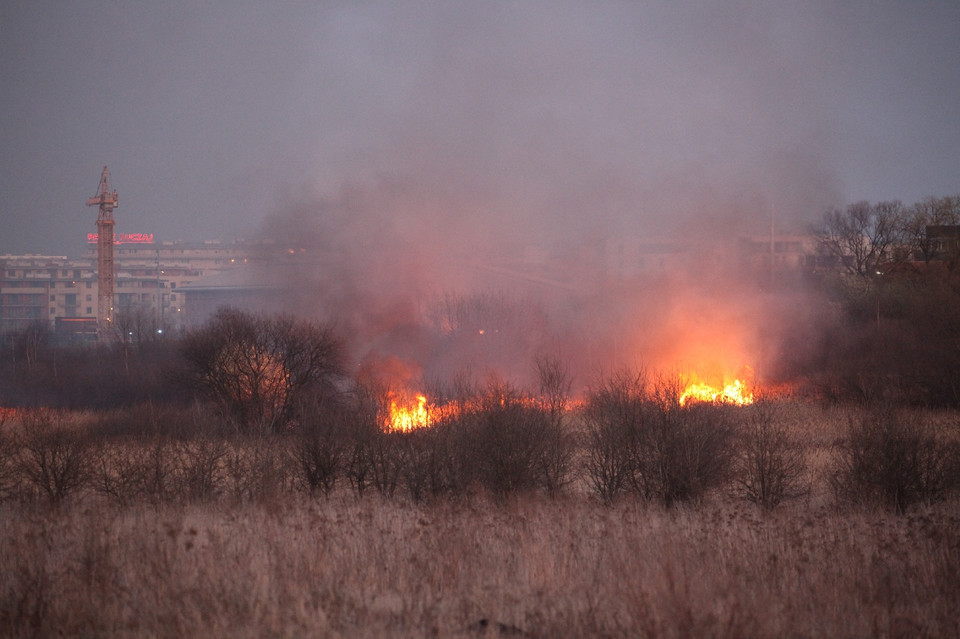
[541, 123]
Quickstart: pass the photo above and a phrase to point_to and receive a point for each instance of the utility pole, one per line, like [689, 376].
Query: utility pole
[773, 245]
[106, 200]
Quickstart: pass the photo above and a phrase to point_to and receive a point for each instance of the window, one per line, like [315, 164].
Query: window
[89, 298]
[53, 298]
[89, 310]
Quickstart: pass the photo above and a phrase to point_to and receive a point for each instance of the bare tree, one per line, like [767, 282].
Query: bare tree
[31, 341]
[864, 237]
[257, 368]
[136, 323]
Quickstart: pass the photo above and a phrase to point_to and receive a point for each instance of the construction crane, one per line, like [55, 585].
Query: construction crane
[107, 201]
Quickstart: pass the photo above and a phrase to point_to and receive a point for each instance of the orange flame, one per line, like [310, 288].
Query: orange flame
[736, 392]
[405, 417]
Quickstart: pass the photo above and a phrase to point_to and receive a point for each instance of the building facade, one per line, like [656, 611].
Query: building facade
[61, 292]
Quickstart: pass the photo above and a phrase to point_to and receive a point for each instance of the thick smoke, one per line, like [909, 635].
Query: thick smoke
[493, 153]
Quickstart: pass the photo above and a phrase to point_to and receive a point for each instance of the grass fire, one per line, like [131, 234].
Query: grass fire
[480, 319]
[735, 392]
[408, 415]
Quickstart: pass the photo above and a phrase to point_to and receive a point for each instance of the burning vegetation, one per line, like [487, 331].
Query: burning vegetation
[736, 392]
[406, 416]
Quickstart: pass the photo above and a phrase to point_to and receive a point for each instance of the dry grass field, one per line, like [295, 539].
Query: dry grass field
[288, 563]
[371, 567]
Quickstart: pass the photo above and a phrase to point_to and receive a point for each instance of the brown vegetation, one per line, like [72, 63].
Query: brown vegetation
[377, 567]
[289, 508]
[204, 532]
[892, 458]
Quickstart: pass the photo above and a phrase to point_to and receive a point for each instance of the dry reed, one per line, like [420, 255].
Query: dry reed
[375, 567]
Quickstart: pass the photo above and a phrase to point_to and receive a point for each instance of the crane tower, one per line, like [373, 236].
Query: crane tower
[107, 201]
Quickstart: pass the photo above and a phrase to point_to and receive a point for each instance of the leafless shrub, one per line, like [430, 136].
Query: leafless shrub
[686, 450]
[372, 459]
[555, 461]
[614, 419]
[436, 462]
[254, 468]
[199, 471]
[320, 448]
[420, 458]
[54, 457]
[507, 443]
[160, 470]
[359, 469]
[158, 459]
[120, 471]
[382, 454]
[770, 465]
[642, 439]
[891, 458]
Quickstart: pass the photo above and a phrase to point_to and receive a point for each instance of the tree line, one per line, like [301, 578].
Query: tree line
[869, 239]
[890, 287]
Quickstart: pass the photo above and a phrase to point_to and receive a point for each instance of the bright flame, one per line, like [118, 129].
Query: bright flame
[407, 417]
[736, 392]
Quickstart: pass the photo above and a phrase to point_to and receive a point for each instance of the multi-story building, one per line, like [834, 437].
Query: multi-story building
[61, 292]
[43, 287]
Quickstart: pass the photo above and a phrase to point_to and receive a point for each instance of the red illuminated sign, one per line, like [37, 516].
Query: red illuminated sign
[124, 238]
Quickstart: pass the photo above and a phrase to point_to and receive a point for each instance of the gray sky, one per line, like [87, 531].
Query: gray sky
[551, 121]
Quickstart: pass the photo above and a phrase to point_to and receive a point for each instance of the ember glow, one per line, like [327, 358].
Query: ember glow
[736, 392]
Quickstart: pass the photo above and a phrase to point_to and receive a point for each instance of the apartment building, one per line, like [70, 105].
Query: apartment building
[62, 292]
